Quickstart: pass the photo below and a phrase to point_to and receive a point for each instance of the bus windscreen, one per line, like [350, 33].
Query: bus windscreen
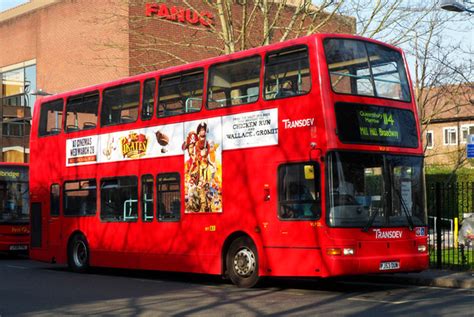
[14, 195]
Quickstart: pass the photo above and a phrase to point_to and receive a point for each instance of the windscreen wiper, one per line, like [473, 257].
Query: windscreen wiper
[405, 210]
[371, 220]
[372, 217]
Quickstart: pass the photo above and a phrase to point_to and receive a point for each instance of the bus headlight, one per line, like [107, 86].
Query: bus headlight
[348, 251]
[422, 248]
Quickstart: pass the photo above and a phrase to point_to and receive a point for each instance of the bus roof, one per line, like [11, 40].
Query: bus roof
[208, 61]
[211, 60]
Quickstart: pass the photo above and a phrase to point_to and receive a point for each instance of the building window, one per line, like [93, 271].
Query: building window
[15, 129]
[17, 83]
[429, 139]
[465, 131]
[450, 136]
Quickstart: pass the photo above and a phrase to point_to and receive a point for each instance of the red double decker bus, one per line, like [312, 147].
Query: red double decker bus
[14, 208]
[301, 158]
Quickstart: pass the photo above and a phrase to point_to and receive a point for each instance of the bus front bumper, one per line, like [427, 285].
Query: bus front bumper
[353, 265]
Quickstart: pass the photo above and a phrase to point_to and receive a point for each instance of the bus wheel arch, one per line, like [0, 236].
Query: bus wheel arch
[78, 252]
[240, 260]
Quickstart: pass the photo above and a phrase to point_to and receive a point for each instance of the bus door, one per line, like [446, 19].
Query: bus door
[294, 235]
[53, 225]
[299, 204]
[42, 225]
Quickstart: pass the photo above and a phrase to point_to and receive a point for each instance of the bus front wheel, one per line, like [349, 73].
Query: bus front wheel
[78, 254]
[242, 262]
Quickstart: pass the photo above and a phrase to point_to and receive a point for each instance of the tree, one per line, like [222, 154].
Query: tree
[439, 76]
[236, 24]
[441, 69]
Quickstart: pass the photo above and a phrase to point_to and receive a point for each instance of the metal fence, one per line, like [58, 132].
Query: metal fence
[448, 204]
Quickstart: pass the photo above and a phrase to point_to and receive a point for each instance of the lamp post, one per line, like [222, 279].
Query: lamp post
[40, 92]
[37, 92]
[455, 6]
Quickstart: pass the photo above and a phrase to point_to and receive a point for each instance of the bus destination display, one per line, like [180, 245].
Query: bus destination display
[368, 124]
[378, 125]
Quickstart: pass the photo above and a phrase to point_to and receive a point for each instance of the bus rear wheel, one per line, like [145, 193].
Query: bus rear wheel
[242, 262]
[78, 254]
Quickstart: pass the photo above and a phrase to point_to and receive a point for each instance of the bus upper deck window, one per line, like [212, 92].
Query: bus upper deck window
[287, 73]
[81, 112]
[234, 83]
[362, 68]
[180, 93]
[51, 118]
[120, 104]
[148, 104]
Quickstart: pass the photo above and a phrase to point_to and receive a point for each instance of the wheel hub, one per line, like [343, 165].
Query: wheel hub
[244, 262]
[80, 253]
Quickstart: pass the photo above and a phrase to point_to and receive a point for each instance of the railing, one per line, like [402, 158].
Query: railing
[448, 205]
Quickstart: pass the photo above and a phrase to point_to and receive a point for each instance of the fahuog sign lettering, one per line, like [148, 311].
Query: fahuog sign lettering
[179, 14]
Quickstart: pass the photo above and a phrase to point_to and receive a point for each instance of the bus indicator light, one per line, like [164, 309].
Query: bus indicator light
[334, 251]
[266, 192]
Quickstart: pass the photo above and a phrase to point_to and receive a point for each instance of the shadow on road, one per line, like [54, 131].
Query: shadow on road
[339, 284]
[13, 256]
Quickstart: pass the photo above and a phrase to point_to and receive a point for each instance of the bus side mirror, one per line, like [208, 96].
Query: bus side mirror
[315, 153]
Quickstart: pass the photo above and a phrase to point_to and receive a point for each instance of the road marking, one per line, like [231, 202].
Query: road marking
[17, 267]
[359, 299]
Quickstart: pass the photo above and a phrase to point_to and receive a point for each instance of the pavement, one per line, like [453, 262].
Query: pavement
[431, 277]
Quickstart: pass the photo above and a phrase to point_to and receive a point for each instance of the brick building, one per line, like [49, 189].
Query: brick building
[448, 120]
[59, 45]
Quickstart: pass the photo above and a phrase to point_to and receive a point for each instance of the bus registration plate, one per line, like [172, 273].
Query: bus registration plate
[389, 265]
[20, 247]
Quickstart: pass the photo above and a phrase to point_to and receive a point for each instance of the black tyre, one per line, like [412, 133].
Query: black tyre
[242, 262]
[78, 254]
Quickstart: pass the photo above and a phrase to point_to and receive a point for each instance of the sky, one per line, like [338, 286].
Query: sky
[7, 4]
